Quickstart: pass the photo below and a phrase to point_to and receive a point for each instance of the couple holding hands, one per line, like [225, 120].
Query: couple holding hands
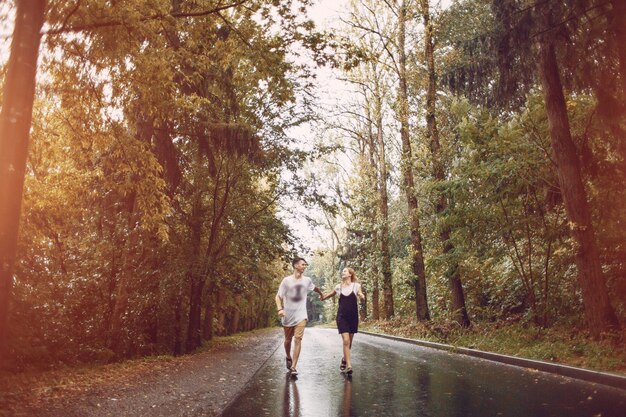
[291, 305]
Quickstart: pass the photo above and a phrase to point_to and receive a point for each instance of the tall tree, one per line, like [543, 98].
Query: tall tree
[383, 198]
[417, 252]
[393, 37]
[598, 310]
[459, 309]
[15, 124]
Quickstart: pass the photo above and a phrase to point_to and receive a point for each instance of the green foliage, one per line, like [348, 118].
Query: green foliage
[160, 149]
[508, 217]
[158, 139]
[508, 227]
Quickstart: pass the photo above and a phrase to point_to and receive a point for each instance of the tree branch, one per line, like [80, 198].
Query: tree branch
[113, 23]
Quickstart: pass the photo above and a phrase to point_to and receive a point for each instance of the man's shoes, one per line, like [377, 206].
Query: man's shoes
[288, 360]
[293, 372]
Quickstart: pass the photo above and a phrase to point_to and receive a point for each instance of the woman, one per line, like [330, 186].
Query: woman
[348, 313]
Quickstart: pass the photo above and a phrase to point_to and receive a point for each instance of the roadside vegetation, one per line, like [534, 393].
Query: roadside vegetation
[479, 179]
[564, 345]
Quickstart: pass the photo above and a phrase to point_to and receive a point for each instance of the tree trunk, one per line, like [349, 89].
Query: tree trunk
[374, 183]
[119, 310]
[127, 252]
[194, 334]
[202, 265]
[235, 315]
[129, 255]
[207, 327]
[617, 24]
[598, 311]
[221, 312]
[15, 121]
[380, 176]
[453, 274]
[249, 322]
[376, 301]
[196, 278]
[417, 256]
[178, 324]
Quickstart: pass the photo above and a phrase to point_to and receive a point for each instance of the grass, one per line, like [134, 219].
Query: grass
[558, 344]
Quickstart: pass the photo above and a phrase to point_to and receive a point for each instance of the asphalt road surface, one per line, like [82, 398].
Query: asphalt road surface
[400, 379]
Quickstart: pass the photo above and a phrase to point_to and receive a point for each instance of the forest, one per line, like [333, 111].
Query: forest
[473, 174]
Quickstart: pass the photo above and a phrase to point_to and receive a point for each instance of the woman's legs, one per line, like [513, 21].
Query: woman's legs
[347, 344]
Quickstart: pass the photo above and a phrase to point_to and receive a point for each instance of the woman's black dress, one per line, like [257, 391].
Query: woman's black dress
[347, 314]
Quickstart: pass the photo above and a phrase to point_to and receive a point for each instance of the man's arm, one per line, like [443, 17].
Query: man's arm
[319, 291]
[279, 305]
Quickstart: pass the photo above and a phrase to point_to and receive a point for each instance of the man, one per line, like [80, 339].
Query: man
[291, 306]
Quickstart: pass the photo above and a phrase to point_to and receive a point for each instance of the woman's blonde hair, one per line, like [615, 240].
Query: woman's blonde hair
[352, 274]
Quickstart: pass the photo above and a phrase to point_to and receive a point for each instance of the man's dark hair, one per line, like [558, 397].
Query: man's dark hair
[296, 260]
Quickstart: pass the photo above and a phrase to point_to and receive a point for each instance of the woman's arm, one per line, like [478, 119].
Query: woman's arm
[325, 297]
[360, 293]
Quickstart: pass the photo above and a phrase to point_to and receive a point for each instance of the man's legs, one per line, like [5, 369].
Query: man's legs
[298, 334]
[289, 332]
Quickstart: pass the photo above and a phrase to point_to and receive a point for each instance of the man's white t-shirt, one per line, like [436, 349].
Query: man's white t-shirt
[293, 293]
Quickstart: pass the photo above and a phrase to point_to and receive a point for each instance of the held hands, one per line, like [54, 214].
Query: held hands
[327, 296]
[319, 291]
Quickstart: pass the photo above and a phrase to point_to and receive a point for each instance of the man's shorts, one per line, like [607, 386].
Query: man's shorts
[297, 330]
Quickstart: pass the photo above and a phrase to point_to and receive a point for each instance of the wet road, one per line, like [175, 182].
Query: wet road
[399, 379]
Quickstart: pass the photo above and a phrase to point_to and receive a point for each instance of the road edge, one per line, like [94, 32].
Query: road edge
[251, 377]
[604, 378]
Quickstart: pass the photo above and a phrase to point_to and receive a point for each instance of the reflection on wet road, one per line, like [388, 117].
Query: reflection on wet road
[399, 379]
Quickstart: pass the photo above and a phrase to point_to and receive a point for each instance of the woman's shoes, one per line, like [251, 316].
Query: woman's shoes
[289, 361]
[344, 368]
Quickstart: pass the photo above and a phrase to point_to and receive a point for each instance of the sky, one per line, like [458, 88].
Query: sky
[326, 14]
[6, 28]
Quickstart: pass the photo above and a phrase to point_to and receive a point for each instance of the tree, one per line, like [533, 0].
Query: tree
[521, 35]
[160, 133]
[15, 123]
[509, 223]
[598, 310]
[394, 45]
[378, 147]
[453, 273]
[417, 253]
